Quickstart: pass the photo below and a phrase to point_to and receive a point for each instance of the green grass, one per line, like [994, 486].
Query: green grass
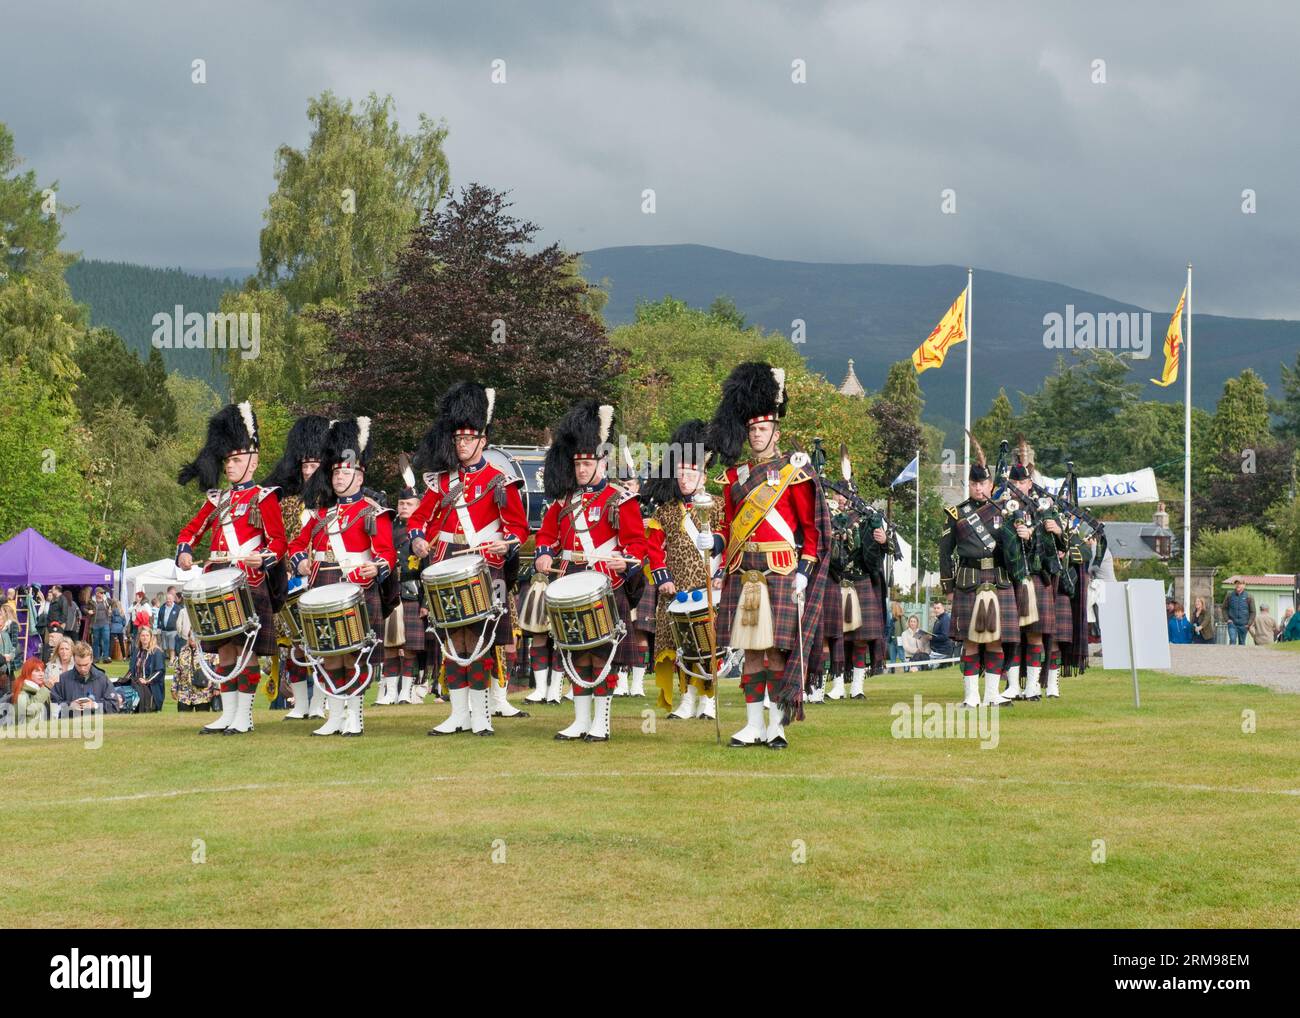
[668, 829]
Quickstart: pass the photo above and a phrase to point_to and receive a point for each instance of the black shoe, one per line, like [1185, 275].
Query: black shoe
[434, 731]
[778, 743]
[486, 731]
[234, 731]
[560, 737]
[595, 738]
[205, 730]
[858, 696]
[352, 735]
[737, 744]
[519, 714]
[1029, 699]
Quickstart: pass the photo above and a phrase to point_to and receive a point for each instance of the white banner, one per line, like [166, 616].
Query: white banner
[1109, 489]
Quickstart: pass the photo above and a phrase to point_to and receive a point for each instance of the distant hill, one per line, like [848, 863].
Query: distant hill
[125, 298]
[878, 314]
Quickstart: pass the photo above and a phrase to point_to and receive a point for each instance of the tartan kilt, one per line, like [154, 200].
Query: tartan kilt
[329, 573]
[1044, 595]
[873, 618]
[505, 634]
[647, 608]
[963, 606]
[267, 643]
[1064, 632]
[413, 632]
[780, 592]
[627, 655]
[833, 613]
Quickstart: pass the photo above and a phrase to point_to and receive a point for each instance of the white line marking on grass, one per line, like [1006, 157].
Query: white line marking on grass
[783, 776]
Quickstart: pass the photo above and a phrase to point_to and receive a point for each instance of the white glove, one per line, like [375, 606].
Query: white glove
[704, 542]
[800, 585]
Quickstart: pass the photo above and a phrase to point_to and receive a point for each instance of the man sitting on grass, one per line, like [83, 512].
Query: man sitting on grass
[84, 687]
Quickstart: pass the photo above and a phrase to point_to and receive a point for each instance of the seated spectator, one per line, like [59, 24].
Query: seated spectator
[146, 673]
[191, 690]
[1291, 631]
[1263, 630]
[85, 687]
[31, 691]
[941, 644]
[1180, 627]
[61, 658]
[916, 645]
[1202, 622]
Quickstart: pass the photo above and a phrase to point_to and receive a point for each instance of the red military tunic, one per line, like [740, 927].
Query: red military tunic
[339, 536]
[245, 520]
[482, 497]
[613, 523]
[796, 509]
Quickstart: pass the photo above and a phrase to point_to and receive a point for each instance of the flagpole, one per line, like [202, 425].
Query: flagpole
[970, 338]
[1187, 449]
[916, 545]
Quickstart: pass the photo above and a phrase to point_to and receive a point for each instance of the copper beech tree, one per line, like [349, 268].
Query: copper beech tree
[470, 297]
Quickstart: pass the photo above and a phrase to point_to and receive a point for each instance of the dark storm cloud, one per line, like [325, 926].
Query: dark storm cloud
[1110, 187]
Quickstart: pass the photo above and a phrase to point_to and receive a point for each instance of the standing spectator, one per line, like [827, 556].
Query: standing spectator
[42, 617]
[897, 625]
[138, 616]
[9, 655]
[54, 619]
[1202, 622]
[100, 619]
[1263, 630]
[167, 616]
[117, 631]
[1180, 628]
[1239, 609]
[148, 666]
[84, 687]
[191, 690]
[915, 647]
[941, 644]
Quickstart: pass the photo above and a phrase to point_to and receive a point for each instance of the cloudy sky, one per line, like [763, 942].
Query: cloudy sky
[1111, 187]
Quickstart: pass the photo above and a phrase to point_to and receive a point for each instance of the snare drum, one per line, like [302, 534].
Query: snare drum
[290, 621]
[688, 619]
[582, 610]
[459, 591]
[334, 619]
[532, 611]
[220, 605]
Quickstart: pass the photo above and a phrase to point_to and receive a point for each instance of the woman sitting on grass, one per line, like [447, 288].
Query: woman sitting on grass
[31, 691]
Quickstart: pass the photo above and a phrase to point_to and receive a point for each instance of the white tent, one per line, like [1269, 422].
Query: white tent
[155, 577]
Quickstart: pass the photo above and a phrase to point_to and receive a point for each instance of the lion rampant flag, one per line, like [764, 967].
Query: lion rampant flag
[1173, 346]
[950, 330]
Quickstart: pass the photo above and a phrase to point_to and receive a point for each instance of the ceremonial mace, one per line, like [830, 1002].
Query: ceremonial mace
[701, 503]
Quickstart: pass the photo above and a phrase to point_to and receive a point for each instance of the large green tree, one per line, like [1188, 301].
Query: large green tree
[112, 373]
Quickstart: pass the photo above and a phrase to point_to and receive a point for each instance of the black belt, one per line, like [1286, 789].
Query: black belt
[978, 563]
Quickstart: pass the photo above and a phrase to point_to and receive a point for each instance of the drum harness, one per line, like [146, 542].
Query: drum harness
[455, 498]
[592, 554]
[344, 559]
[234, 552]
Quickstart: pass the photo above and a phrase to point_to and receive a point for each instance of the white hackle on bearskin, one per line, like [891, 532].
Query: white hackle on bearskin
[363, 433]
[606, 422]
[779, 375]
[246, 412]
[492, 402]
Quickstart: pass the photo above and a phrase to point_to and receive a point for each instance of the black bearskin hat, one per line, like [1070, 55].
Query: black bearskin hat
[580, 433]
[348, 441]
[754, 391]
[689, 446]
[465, 408]
[306, 441]
[231, 429]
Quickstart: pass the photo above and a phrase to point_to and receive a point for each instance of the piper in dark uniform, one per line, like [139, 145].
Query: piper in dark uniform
[858, 550]
[469, 504]
[349, 538]
[302, 453]
[590, 524]
[247, 533]
[980, 559]
[777, 528]
[404, 635]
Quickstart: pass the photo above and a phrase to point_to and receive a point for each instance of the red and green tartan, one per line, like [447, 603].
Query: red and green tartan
[860, 655]
[963, 606]
[1034, 655]
[873, 613]
[992, 659]
[970, 663]
[1044, 595]
[756, 685]
[250, 678]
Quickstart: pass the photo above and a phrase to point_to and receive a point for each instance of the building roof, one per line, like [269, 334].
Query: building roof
[1129, 540]
[851, 386]
[1267, 580]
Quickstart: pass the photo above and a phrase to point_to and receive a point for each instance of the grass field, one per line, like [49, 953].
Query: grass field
[1199, 819]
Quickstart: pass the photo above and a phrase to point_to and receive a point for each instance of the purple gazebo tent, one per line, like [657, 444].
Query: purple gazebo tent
[31, 558]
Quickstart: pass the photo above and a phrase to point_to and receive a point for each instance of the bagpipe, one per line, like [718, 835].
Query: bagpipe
[871, 517]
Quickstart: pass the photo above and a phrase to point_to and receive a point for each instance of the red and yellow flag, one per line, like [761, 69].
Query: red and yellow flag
[1173, 346]
[950, 330]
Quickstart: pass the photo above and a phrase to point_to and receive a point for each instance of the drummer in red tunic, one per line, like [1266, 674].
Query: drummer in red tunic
[248, 534]
[590, 524]
[470, 506]
[347, 539]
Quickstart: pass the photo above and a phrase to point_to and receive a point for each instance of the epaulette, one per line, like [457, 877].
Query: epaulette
[952, 511]
[379, 507]
[264, 491]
